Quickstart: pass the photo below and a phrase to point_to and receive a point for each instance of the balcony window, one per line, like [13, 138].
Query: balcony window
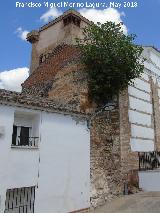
[25, 131]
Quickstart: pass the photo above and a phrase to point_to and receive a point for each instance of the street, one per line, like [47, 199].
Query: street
[144, 202]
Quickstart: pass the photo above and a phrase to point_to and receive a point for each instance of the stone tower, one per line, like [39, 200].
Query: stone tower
[56, 71]
[63, 30]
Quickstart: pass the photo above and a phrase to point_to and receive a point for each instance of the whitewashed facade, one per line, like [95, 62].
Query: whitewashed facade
[141, 110]
[53, 173]
[144, 117]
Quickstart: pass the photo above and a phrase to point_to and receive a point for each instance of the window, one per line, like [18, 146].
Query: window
[41, 59]
[22, 136]
[72, 19]
[20, 200]
[25, 130]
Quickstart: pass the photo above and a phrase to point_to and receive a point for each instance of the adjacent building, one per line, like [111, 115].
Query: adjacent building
[45, 161]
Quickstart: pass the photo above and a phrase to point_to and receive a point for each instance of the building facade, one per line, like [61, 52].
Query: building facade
[74, 156]
[45, 157]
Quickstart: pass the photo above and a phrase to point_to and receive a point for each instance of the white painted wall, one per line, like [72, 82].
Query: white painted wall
[149, 180]
[155, 59]
[152, 67]
[64, 168]
[140, 145]
[139, 94]
[139, 118]
[143, 132]
[140, 84]
[140, 105]
[145, 76]
[62, 162]
[18, 167]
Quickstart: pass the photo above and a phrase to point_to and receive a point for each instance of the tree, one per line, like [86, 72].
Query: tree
[112, 60]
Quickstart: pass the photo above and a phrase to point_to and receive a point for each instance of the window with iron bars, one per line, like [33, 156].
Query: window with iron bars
[20, 200]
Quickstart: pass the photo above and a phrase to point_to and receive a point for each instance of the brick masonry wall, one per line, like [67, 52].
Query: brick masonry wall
[62, 78]
[41, 80]
[105, 158]
[113, 164]
[73, 89]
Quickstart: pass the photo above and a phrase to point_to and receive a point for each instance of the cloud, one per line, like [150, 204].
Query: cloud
[109, 14]
[12, 79]
[22, 33]
[52, 13]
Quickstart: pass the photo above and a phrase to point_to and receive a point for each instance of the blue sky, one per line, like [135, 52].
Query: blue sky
[15, 22]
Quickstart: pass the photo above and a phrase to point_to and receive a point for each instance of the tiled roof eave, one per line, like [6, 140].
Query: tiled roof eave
[36, 103]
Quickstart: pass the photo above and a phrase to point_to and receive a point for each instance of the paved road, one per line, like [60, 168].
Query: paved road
[139, 203]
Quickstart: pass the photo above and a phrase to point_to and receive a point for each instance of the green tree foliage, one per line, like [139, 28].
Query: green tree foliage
[112, 60]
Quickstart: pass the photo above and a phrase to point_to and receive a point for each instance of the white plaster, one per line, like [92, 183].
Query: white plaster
[145, 52]
[142, 132]
[139, 94]
[65, 166]
[140, 105]
[57, 34]
[139, 145]
[18, 168]
[50, 35]
[149, 180]
[140, 84]
[152, 67]
[155, 58]
[145, 76]
[140, 118]
[62, 162]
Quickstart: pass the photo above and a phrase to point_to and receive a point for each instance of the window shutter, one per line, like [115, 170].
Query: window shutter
[14, 135]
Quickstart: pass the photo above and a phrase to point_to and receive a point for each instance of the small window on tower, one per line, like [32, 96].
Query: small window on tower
[72, 19]
[41, 59]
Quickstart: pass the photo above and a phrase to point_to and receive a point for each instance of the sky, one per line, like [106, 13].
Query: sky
[17, 18]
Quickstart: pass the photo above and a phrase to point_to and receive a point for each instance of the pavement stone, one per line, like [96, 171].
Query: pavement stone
[144, 202]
